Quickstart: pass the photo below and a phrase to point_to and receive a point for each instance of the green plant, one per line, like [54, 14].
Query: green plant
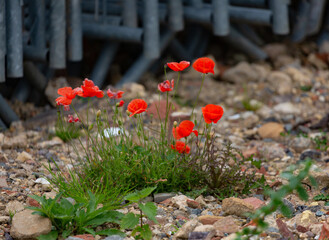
[249, 105]
[276, 202]
[321, 197]
[68, 218]
[321, 142]
[149, 210]
[306, 88]
[11, 215]
[221, 168]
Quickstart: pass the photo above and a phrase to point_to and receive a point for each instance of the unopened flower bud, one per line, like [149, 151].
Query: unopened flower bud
[98, 113]
[128, 113]
[90, 127]
[120, 104]
[175, 123]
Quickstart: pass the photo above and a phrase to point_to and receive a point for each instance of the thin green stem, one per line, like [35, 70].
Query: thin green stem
[176, 85]
[166, 119]
[197, 98]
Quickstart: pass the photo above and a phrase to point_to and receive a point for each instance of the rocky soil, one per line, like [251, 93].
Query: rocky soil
[276, 110]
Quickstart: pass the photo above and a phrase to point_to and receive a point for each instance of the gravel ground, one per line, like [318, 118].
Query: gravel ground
[289, 96]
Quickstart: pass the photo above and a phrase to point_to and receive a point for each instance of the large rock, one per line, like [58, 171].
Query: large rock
[24, 157]
[325, 232]
[27, 226]
[14, 207]
[271, 151]
[209, 219]
[3, 182]
[300, 143]
[159, 197]
[271, 130]
[306, 219]
[301, 76]
[236, 206]
[274, 50]
[286, 108]
[19, 141]
[134, 90]
[226, 225]
[281, 82]
[188, 227]
[180, 202]
[241, 73]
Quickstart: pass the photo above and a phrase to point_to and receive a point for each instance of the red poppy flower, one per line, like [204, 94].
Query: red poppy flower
[114, 95]
[181, 147]
[68, 94]
[137, 106]
[90, 90]
[166, 86]
[121, 103]
[204, 65]
[184, 129]
[177, 67]
[212, 113]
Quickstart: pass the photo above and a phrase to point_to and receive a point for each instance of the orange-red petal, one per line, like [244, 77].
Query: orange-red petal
[63, 101]
[177, 67]
[204, 65]
[137, 106]
[212, 113]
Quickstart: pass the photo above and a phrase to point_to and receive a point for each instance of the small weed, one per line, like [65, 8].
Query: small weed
[220, 169]
[276, 202]
[306, 88]
[11, 215]
[321, 142]
[321, 197]
[149, 210]
[78, 218]
[250, 105]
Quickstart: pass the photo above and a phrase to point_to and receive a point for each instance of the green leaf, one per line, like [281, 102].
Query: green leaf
[313, 181]
[92, 202]
[42, 214]
[89, 230]
[136, 196]
[105, 216]
[110, 232]
[257, 164]
[285, 210]
[146, 232]
[66, 233]
[34, 208]
[326, 204]
[50, 236]
[129, 221]
[302, 193]
[150, 210]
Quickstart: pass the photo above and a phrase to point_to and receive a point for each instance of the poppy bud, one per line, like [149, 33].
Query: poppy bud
[90, 127]
[120, 104]
[119, 122]
[175, 124]
[98, 113]
[128, 113]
